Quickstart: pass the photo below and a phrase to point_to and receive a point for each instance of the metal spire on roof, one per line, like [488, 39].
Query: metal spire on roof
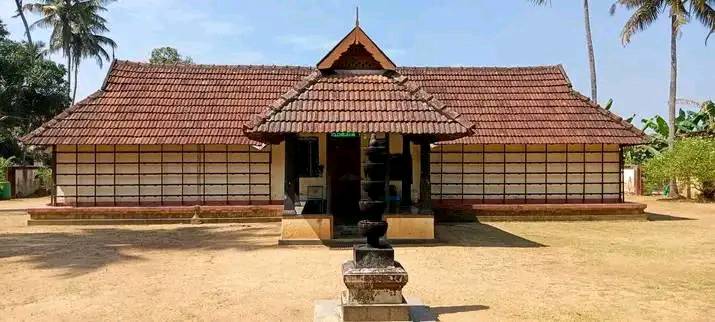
[357, 16]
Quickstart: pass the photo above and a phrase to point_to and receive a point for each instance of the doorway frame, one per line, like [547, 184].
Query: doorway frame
[329, 169]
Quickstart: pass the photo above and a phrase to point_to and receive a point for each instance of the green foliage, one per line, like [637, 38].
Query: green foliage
[646, 12]
[687, 121]
[3, 30]
[690, 161]
[44, 177]
[32, 91]
[5, 163]
[77, 29]
[168, 56]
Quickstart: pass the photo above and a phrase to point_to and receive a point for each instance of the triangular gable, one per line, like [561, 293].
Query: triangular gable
[356, 42]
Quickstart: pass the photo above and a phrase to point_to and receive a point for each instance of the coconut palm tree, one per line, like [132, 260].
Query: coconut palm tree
[73, 22]
[56, 14]
[589, 46]
[87, 41]
[21, 14]
[645, 13]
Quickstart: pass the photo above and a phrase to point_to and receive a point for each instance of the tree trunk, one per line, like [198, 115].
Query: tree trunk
[21, 13]
[69, 76]
[591, 56]
[708, 190]
[673, 87]
[76, 71]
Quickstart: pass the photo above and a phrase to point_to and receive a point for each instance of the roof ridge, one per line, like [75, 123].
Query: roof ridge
[432, 101]
[277, 66]
[478, 67]
[235, 66]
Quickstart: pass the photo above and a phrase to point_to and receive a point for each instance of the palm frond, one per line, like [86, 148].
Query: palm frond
[647, 12]
[540, 2]
[705, 13]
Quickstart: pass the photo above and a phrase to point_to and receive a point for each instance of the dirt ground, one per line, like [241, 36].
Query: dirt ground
[662, 269]
[23, 203]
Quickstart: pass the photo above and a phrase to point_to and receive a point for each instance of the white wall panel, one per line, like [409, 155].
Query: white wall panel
[156, 174]
[556, 172]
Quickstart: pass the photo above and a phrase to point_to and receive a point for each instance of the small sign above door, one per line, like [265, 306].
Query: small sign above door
[343, 134]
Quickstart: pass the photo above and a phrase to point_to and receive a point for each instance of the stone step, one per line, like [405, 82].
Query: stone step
[349, 242]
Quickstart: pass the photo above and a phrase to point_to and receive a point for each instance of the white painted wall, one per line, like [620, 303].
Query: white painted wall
[498, 172]
[132, 174]
[168, 174]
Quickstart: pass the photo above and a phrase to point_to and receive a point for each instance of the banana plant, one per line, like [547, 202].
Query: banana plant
[704, 117]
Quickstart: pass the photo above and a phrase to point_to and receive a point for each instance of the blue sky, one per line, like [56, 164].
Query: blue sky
[414, 33]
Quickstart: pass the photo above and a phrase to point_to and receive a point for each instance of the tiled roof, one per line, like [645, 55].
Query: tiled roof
[522, 105]
[359, 102]
[153, 104]
[209, 104]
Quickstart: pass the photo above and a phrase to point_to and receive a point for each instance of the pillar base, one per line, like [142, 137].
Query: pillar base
[409, 226]
[308, 228]
[331, 311]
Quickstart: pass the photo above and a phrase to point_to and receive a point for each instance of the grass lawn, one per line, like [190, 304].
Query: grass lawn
[620, 270]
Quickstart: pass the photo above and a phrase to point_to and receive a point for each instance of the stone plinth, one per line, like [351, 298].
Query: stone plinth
[374, 285]
[373, 312]
[367, 256]
[332, 311]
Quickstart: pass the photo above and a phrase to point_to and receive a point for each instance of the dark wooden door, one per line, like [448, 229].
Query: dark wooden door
[344, 179]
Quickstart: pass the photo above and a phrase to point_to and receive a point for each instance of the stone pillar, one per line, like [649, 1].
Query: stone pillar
[406, 198]
[291, 175]
[425, 185]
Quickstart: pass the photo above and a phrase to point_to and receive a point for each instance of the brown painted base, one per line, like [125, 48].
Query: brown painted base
[306, 229]
[542, 212]
[409, 226]
[152, 215]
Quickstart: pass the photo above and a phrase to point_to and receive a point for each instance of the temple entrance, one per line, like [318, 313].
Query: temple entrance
[343, 170]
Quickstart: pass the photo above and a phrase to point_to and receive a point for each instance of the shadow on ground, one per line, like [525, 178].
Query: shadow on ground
[660, 217]
[480, 235]
[439, 310]
[86, 250]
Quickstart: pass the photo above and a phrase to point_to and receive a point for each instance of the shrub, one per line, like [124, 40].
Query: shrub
[44, 176]
[690, 161]
[5, 163]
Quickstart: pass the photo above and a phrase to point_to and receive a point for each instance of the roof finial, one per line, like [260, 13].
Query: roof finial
[357, 16]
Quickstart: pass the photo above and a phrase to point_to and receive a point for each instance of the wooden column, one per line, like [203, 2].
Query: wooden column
[290, 185]
[406, 198]
[53, 194]
[425, 185]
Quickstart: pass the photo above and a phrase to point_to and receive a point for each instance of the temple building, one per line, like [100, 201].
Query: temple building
[289, 141]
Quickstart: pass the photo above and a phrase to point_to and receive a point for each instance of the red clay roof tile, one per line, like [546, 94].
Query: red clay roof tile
[196, 104]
